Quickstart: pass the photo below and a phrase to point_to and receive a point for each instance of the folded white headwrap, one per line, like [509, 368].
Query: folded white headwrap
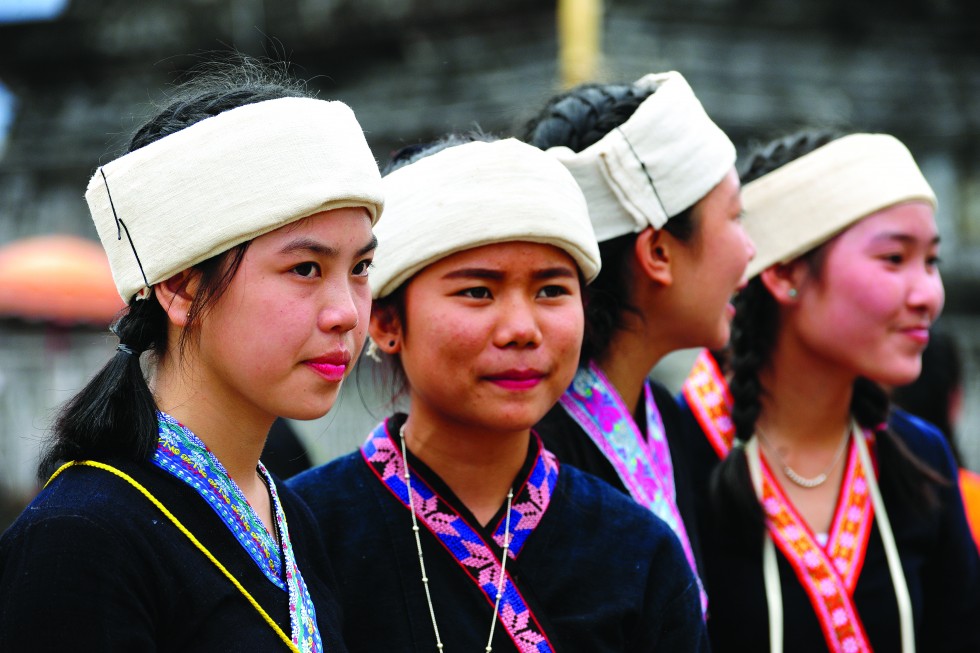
[225, 180]
[806, 202]
[477, 194]
[661, 161]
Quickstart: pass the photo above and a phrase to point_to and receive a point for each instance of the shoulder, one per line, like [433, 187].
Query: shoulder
[332, 481]
[924, 440]
[593, 502]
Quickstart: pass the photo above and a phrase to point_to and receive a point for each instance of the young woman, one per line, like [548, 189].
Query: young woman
[832, 530]
[496, 546]
[663, 197]
[239, 229]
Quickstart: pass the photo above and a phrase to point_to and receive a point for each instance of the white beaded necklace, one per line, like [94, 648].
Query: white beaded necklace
[796, 477]
[418, 546]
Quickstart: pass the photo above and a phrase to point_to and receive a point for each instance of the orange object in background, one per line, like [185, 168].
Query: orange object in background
[57, 279]
[970, 487]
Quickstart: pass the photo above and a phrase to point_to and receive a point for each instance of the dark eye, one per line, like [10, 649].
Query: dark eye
[362, 268]
[553, 291]
[480, 292]
[307, 269]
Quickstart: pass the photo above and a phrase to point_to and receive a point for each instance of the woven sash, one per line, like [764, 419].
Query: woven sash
[643, 464]
[475, 557]
[710, 402]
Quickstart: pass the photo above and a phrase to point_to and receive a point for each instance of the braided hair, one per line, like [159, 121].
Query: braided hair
[754, 330]
[577, 119]
[115, 413]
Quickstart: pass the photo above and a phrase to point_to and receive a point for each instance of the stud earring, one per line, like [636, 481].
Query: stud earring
[792, 293]
[391, 343]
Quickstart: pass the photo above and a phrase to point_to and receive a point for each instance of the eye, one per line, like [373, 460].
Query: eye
[933, 261]
[478, 292]
[551, 292]
[307, 269]
[894, 258]
[362, 268]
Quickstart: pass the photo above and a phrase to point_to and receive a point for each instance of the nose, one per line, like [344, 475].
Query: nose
[340, 308]
[517, 324]
[749, 245]
[926, 292]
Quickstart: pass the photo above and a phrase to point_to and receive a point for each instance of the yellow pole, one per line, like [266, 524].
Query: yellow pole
[579, 27]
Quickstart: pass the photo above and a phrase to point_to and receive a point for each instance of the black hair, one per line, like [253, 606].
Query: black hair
[577, 119]
[754, 330]
[115, 413]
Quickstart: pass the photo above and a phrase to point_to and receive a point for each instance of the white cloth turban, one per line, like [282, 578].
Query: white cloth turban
[225, 180]
[806, 202]
[477, 194]
[661, 161]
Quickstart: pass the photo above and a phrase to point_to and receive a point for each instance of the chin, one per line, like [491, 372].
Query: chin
[898, 376]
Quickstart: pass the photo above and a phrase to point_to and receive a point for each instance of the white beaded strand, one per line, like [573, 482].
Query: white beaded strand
[796, 477]
[418, 547]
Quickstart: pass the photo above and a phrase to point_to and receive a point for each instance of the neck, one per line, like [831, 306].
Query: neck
[478, 465]
[236, 437]
[627, 361]
[807, 400]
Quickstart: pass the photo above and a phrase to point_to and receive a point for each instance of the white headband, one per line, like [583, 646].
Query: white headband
[806, 202]
[225, 180]
[476, 194]
[661, 161]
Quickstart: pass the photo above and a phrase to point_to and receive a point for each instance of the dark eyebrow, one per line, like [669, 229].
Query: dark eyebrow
[554, 273]
[316, 247]
[903, 238]
[475, 273]
[497, 275]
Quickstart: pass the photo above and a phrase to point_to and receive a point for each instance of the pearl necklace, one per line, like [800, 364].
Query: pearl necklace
[418, 547]
[799, 479]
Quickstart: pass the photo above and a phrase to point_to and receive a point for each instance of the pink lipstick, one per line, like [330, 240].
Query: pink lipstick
[331, 367]
[517, 379]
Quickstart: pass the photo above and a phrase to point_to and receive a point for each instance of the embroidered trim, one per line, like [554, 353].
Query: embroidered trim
[185, 456]
[710, 401]
[474, 555]
[821, 574]
[642, 464]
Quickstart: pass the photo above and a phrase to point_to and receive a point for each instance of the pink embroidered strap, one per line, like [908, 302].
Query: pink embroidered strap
[463, 542]
[642, 464]
[710, 401]
[819, 573]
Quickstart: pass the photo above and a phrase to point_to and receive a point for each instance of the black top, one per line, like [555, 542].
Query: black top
[599, 572]
[939, 558]
[92, 565]
[564, 437]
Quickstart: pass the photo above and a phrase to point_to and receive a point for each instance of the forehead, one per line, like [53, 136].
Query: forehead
[507, 257]
[908, 222]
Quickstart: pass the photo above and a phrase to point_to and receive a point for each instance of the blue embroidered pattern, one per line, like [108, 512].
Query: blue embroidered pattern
[182, 454]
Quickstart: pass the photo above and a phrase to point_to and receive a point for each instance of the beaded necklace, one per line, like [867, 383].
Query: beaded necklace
[418, 546]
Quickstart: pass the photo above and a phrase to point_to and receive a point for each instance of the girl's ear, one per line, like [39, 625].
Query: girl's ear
[653, 254]
[176, 295]
[386, 328]
[785, 281]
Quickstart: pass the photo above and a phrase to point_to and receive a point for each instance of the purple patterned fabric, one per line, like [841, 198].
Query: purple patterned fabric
[643, 464]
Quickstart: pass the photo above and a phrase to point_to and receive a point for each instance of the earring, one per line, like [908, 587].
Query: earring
[792, 293]
[391, 343]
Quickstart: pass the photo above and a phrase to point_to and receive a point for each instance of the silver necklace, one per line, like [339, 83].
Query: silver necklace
[799, 479]
[418, 547]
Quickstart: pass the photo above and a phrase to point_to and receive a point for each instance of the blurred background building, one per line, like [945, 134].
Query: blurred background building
[77, 77]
